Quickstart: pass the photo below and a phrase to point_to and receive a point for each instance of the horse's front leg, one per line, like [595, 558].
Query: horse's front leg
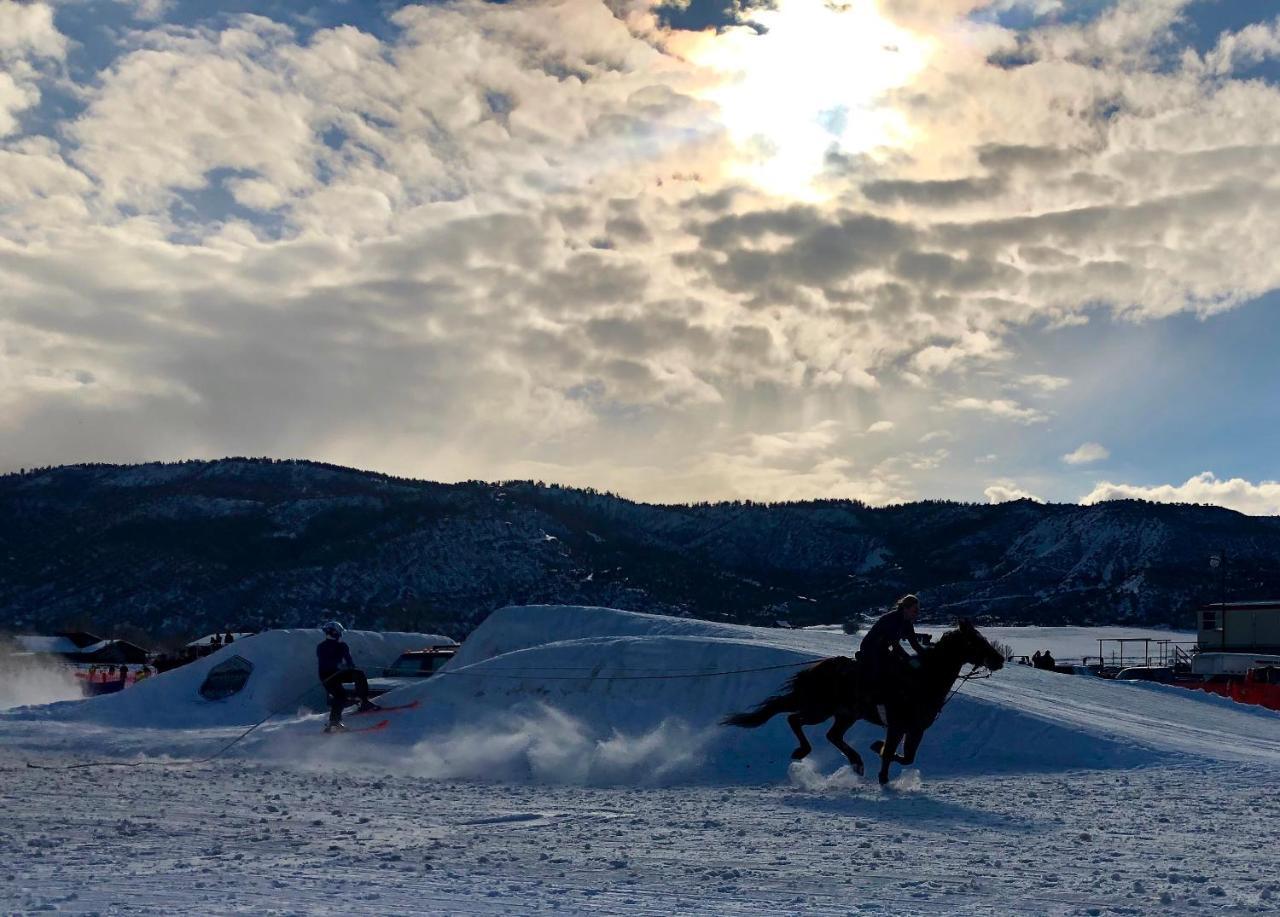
[835, 735]
[889, 751]
[797, 723]
[910, 746]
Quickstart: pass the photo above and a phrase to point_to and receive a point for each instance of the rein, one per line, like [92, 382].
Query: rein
[973, 673]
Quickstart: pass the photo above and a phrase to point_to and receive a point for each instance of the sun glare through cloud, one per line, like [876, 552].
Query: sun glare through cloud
[812, 82]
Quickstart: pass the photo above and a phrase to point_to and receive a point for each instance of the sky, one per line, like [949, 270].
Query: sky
[877, 249]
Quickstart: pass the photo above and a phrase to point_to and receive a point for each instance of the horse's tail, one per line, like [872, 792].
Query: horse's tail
[785, 702]
[779, 703]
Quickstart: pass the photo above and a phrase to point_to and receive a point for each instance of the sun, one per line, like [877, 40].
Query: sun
[815, 81]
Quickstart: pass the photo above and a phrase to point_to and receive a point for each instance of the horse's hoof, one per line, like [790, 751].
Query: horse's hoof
[877, 747]
[884, 779]
[799, 754]
[859, 769]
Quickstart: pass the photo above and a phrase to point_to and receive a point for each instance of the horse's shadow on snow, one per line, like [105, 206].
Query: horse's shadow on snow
[909, 807]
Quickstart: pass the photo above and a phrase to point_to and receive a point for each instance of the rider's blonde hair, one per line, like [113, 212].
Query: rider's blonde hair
[908, 599]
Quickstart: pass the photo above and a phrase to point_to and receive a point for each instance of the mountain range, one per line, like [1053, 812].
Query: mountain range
[185, 548]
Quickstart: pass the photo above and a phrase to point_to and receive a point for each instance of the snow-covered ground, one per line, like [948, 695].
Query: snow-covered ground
[569, 760]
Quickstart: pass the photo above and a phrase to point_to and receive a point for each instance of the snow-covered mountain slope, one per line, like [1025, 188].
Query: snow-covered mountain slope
[202, 545]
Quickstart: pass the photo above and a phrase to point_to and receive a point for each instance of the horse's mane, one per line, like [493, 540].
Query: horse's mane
[954, 636]
[946, 639]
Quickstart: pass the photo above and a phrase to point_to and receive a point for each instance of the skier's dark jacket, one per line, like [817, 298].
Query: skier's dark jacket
[881, 642]
[331, 654]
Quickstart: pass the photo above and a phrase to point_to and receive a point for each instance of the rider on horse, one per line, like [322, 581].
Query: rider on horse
[886, 666]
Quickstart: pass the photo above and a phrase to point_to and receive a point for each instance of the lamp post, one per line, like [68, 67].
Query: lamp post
[1219, 562]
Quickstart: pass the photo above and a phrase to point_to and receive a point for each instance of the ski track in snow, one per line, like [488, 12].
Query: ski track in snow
[1035, 793]
[239, 837]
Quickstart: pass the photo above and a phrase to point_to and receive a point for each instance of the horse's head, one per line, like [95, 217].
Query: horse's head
[975, 649]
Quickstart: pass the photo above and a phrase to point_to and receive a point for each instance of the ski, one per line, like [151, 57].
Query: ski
[383, 724]
[392, 709]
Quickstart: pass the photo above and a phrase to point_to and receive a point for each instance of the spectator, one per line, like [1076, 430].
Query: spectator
[229, 639]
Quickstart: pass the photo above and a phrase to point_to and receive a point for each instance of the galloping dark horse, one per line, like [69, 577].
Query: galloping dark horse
[831, 688]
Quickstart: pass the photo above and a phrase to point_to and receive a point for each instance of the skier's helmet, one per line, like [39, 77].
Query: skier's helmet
[333, 630]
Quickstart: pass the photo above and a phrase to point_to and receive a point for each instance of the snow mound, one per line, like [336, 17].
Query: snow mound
[597, 696]
[283, 680]
[591, 695]
[521, 627]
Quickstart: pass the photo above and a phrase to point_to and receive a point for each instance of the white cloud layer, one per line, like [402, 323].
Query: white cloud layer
[1261, 499]
[514, 236]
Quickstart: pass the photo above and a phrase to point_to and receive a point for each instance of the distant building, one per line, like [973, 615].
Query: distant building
[80, 648]
[1239, 627]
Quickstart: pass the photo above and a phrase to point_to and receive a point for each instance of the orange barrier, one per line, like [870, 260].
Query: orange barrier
[1242, 692]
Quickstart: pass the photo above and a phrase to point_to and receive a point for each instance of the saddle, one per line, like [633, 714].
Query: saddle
[886, 679]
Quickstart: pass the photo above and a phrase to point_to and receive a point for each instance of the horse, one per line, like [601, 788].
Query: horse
[832, 688]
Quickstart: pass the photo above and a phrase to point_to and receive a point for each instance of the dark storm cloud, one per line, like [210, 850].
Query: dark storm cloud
[932, 193]
[999, 158]
[815, 250]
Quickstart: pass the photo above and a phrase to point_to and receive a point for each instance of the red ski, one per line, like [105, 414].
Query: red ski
[374, 728]
[409, 706]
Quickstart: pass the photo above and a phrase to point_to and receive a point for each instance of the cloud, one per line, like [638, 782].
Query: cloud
[1045, 383]
[1261, 499]
[29, 41]
[1086, 453]
[484, 237]
[881, 426]
[1001, 408]
[1249, 46]
[28, 29]
[1007, 491]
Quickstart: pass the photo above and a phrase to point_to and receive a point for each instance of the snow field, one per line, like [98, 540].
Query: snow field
[548, 770]
[242, 837]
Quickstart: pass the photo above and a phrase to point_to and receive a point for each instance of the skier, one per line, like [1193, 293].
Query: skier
[886, 667]
[337, 669]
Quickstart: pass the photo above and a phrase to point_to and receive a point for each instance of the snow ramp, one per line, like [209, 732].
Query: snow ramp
[572, 694]
[282, 679]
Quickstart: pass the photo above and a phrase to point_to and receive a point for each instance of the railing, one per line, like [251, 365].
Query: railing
[1118, 653]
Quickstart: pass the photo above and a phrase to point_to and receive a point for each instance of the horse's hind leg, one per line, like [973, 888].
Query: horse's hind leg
[835, 735]
[797, 722]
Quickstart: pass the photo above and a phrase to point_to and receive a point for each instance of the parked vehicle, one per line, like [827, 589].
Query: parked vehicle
[411, 668]
[1157, 673]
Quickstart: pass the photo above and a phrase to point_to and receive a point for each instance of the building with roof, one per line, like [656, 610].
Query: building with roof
[80, 648]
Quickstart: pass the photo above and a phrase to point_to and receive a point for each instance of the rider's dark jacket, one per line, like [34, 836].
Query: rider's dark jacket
[331, 656]
[881, 642]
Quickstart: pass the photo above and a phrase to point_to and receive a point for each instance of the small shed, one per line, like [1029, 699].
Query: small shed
[1241, 627]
